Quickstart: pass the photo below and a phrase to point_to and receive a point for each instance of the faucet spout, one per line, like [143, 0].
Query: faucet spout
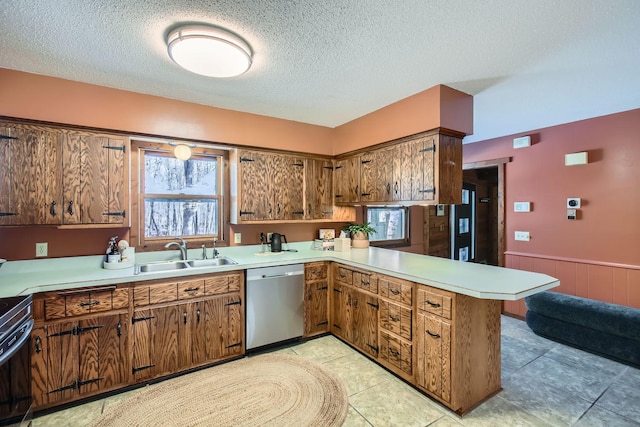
[182, 246]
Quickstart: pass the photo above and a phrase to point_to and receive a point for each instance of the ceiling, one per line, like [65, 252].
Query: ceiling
[528, 64]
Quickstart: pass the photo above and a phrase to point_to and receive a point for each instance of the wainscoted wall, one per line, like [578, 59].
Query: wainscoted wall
[609, 282]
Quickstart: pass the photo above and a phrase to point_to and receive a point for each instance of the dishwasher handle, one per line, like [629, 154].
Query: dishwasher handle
[274, 276]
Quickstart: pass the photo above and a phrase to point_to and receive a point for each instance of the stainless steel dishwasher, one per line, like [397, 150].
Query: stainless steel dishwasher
[275, 297]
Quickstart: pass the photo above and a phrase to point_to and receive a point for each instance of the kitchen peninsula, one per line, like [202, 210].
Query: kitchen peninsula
[433, 322]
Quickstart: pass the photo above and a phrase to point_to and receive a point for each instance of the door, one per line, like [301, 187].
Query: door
[463, 225]
[365, 322]
[224, 327]
[341, 312]
[315, 307]
[346, 180]
[256, 180]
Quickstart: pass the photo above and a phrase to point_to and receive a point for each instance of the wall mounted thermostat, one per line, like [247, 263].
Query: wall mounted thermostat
[439, 210]
[571, 213]
[573, 203]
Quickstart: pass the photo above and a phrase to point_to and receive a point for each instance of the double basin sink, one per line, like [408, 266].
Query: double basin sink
[157, 266]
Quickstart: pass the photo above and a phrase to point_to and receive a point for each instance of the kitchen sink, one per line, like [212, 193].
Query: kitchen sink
[158, 266]
[212, 262]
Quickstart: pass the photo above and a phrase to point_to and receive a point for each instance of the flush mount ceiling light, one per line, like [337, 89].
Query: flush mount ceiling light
[182, 151]
[209, 51]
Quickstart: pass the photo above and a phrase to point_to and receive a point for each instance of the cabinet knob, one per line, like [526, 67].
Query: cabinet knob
[70, 208]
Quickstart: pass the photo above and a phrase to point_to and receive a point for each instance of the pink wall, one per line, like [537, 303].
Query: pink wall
[439, 106]
[598, 255]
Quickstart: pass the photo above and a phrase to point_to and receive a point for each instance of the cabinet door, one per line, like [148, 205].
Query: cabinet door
[347, 180]
[422, 169]
[341, 314]
[289, 187]
[224, 322]
[316, 318]
[401, 179]
[30, 175]
[191, 335]
[368, 177]
[142, 345]
[319, 189]
[256, 179]
[164, 341]
[433, 371]
[365, 322]
[62, 361]
[94, 179]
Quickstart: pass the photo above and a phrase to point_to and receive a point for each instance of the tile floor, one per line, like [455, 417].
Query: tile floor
[544, 384]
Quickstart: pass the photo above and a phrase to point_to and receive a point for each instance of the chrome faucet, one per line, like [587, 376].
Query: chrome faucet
[182, 246]
[215, 251]
[204, 251]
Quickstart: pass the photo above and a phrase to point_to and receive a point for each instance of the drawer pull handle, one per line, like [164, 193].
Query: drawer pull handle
[395, 353]
[38, 344]
[90, 303]
[198, 315]
[432, 334]
[395, 319]
[432, 304]
[316, 272]
[184, 316]
[189, 290]
[394, 291]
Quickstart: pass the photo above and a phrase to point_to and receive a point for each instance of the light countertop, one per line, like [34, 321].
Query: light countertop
[476, 280]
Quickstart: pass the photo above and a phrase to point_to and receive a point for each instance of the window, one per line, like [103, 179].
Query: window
[177, 198]
[391, 224]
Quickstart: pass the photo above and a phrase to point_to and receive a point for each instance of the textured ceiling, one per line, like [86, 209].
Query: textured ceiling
[529, 64]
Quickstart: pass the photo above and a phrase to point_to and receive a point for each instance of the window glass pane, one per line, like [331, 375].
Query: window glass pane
[168, 218]
[168, 175]
[389, 223]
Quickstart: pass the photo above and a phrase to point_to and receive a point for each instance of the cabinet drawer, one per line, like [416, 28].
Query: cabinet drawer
[396, 289]
[396, 318]
[366, 281]
[140, 296]
[85, 302]
[315, 272]
[342, 275]
[163, 293]
[396, 352]
[190, 289]
[435, 301]
[217, 285]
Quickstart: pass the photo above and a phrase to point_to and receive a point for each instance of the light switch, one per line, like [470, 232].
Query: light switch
[522, 207]
[237, 237]
[522, 236]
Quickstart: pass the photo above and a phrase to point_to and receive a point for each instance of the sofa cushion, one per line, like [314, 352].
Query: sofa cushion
[597, 315]
[619, 348]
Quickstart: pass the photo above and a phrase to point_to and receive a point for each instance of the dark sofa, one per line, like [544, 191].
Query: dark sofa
[609, 330]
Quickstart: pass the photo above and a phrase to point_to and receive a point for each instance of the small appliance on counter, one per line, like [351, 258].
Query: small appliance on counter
[276, 242]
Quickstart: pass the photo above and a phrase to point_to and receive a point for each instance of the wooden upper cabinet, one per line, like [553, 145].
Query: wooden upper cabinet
[422, 169]
[94, 178]
[30, 175]
[319, 189]
[57, 176]
[346, 180]
[279, 187]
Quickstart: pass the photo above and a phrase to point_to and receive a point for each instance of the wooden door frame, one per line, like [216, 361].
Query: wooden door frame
[500, 164]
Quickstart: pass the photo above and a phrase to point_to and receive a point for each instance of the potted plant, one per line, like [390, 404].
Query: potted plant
[360, 234]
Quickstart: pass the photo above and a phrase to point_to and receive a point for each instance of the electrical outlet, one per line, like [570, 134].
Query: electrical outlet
[237, 237]
[42, 249]
[269, 237]
[522, 235]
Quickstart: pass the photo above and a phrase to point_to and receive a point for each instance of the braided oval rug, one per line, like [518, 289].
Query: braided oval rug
[264, 390]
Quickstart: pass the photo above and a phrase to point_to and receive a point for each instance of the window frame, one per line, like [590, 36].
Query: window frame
[406, 241]
[138, 149]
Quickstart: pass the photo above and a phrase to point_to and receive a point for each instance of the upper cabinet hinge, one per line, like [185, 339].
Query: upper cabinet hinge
[8, 137]
[246, 159]
[329, 167]
[364, 162]
[122, 214]
[298, 164]
[432, 148]
[114, 147]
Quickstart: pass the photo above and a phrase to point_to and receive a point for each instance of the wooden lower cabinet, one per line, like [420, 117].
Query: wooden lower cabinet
[74, 359]
[177, 337]
[316, 299]
[355, 318]
[434, 356]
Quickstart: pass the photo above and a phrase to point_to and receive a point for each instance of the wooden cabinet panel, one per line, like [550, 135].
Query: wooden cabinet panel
[346, 180]
[397, 319]
[366, 281]
[342, 275]
[319, 189]
[155, 342]
[190, 289]
[255, 177]
[396, 352]
[74, 359]
[365, 322]
[225, 327]
[396, 289]
[83, 302]
[434, 356]
[163, 293]
[401, 179]
[376, 175]
[316, 301]
[341, 313]
[435, 301]
[289, 188]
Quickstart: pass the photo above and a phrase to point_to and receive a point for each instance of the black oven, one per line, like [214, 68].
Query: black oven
[16, 323]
